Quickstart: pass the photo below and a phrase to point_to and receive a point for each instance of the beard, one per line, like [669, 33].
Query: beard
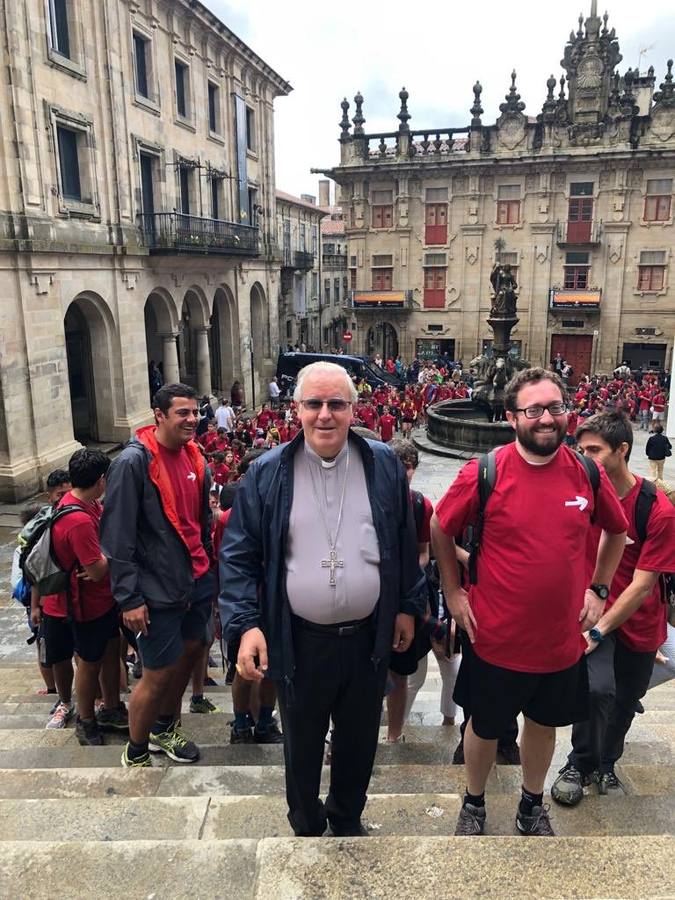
[542, 442]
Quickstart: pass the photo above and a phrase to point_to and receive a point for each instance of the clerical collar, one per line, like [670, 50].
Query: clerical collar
[325, 463]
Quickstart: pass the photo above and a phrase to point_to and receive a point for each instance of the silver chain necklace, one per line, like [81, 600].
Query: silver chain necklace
[332, 562]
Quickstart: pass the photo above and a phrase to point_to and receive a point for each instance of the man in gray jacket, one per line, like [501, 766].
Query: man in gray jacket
[155, 533]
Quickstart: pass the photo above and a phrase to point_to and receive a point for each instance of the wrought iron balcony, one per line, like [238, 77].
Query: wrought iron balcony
[578, 234]
[179, 233]
[334, 260]
[297, 260]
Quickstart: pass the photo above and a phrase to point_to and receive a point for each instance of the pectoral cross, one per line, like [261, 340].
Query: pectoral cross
[332, 563]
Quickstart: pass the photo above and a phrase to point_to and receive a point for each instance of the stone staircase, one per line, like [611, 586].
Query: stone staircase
[75, 824]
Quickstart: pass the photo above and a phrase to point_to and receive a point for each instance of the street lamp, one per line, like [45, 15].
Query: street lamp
[248, 347]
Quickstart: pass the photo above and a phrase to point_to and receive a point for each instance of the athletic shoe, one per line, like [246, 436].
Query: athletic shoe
[88, 733]
[53, 709]
[174, 744]
[210, 682]
[241, 735]
[471, 820]
[63, 713]
[269, 735]
[508, 754]
[568, 788]
[203, 705]
[141, 762]
[458, 755]
[536, 825]
[137, 669]
[113, 719]
[610, 783]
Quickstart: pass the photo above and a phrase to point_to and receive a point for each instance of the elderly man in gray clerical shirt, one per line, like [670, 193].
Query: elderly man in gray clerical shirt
[320, 577]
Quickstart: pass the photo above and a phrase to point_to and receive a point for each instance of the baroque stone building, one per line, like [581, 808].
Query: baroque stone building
[137, 219]
[578, 199]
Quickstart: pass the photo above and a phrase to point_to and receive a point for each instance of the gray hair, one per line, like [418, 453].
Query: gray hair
[323, 366]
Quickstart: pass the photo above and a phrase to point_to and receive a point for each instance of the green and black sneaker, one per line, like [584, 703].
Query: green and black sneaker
[142, 762]
[203, 705]
[174, 744]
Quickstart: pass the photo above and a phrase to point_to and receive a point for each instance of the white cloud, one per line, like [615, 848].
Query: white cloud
[437, 50]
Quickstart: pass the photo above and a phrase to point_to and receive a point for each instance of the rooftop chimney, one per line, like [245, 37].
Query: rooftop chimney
[308, 198]
[324, 192]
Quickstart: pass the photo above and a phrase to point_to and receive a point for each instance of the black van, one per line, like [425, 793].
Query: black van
[289, 364]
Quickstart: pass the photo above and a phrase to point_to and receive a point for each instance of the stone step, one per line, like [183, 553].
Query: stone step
[375, 867]
[222, 818]
[196, 781]
[42, 748]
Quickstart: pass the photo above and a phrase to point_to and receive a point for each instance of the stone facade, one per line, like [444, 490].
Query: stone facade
[137, 212]
[578, 199]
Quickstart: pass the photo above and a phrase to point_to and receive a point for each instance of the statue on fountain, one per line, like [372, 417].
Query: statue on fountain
[504, 298]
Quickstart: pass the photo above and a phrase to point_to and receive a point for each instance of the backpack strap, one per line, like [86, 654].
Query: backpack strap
[418, 511]
[60, 513]
[593, 474]
[487, 476]
[643, 506]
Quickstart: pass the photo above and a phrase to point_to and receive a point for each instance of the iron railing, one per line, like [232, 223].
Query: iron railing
[170, 232]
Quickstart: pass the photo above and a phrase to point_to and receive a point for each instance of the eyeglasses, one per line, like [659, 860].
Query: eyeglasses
[536, 412]
[335, 404]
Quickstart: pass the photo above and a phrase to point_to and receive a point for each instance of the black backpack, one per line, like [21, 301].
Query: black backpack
[643, 507]
[487, 476]
[431, 569]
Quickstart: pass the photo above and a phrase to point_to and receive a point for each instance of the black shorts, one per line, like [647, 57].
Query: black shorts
[60, 638]
[495, 695]
[169, 628]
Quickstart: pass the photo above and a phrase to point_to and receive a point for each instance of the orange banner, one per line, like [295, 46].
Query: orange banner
[370, 297]
[575, 299]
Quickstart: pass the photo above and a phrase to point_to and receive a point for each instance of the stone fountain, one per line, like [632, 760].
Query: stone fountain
[479, 424]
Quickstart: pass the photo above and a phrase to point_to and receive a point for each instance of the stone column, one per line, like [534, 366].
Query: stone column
[170, 358]
[203, 355]
[670, 423]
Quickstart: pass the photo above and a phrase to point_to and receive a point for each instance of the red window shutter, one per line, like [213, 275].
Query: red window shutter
[663, 209]
[388, 216]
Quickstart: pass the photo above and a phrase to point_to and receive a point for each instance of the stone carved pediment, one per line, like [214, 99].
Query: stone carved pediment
[511, 132]
[662, 125]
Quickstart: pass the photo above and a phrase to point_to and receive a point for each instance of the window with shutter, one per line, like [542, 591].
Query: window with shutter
[214, 108]
[59, 27]
[141, 65]
[381, 279]
[658, 199]
[181, 89]
[652, 270]
[508, 204]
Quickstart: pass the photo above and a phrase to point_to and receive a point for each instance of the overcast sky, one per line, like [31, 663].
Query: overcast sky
[437, 50]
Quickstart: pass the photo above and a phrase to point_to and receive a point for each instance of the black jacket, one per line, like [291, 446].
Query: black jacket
[657, 447]
[252, 567]
[149, 562]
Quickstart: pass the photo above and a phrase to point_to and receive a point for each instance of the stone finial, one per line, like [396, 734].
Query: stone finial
[561, 95]
[344, 121]
[403, 114]
[476, 109]
[358, 119]
[550, 104]
[666, 95]
[580, 32]
[605, 19]
[550, 86]
[650, 72]
[513, 102]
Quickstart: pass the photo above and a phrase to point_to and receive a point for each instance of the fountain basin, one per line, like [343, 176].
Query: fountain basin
[464, 426]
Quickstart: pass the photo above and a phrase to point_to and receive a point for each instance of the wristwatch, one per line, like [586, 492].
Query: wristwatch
[601, 590]
[596, 635]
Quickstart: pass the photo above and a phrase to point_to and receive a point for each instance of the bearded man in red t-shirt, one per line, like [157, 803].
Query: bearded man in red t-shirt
[623, 644]
[531, 602]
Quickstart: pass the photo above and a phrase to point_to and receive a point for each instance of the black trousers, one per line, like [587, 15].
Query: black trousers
[336, 678]
[618, 677]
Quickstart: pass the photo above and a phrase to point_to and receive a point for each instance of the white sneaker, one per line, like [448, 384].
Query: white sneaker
[61, 716]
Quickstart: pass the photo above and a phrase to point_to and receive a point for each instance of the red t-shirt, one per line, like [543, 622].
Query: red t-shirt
[532, 562]
[387, 425]
[75, 541]
[368, 416]
[220, 524]
[188, 504]
[424, 534]
[220, 473]
[645, 630]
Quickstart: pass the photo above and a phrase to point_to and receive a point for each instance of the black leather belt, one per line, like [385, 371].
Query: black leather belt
[339, 629]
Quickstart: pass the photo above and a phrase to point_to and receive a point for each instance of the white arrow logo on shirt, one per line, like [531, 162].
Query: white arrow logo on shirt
[192, 476]
[581, 502]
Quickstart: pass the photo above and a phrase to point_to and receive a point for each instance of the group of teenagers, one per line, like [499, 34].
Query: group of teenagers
[331, 580]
